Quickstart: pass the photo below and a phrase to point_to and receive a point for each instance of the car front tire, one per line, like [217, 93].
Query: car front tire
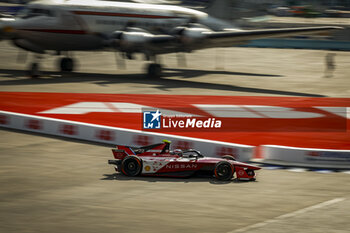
[223, 170]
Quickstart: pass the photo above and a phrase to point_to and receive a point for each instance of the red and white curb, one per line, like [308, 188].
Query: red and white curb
[306, 157]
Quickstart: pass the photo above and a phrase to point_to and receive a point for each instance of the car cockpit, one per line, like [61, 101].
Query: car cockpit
[190, 153]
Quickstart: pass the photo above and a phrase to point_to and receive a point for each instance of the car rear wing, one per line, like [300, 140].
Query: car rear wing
[121, 153]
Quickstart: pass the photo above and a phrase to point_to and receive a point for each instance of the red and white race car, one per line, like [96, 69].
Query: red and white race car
[157, 160]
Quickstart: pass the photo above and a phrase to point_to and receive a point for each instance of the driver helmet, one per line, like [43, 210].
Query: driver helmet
[178, 152]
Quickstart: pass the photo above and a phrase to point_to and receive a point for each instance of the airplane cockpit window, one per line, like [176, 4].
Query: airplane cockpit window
[135, 29]
[216, 24]
[34, 12]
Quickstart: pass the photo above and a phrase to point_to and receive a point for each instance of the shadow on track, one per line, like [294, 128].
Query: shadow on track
[211, 180]
[162, 84]
[191, 73]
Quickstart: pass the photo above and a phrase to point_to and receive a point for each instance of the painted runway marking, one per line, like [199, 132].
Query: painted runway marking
[289, 215]
[296, 169]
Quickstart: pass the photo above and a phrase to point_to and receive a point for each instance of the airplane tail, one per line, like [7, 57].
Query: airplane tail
[234, 9]
[220, 9]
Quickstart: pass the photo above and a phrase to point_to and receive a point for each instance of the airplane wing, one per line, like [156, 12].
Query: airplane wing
[162, 44]
[229, 38]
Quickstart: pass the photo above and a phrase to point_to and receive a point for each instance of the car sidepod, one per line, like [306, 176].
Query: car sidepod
[171, 167]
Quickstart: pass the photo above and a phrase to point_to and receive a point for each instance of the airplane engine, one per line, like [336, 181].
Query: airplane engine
[192, 33]
[6, 30]
[130, 41]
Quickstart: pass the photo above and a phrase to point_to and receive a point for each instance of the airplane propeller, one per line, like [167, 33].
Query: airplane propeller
[120, 61]
[22, 56]
[219, 59]
[181, 60]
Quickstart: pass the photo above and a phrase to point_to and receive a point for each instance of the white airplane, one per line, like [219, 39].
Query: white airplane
[60, 26]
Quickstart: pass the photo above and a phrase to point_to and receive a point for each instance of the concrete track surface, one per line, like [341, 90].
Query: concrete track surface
[223, 71]
[54, 185]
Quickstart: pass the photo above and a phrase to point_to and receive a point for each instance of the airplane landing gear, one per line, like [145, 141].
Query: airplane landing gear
[154, 70]
[34, 71]
[34, 68]
[66, 64]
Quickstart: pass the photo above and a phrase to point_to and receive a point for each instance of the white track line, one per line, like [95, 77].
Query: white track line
[289, 215]
[296, 169]
[324, 171]
[273, 168]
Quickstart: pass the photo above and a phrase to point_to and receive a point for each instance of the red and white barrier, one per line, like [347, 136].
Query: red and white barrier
[121, 136]
[310, 157]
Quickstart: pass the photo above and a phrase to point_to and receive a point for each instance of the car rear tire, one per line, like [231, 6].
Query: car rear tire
[131, 166]
[223, 170]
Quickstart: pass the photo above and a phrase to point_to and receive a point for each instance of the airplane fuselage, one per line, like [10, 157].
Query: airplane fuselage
[71, 25]
[84, 25]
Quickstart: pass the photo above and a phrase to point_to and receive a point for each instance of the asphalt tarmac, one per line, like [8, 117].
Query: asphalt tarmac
[56, 185]
[223, 71]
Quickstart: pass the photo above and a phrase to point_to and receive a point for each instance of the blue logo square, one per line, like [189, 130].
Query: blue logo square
[152, 119]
